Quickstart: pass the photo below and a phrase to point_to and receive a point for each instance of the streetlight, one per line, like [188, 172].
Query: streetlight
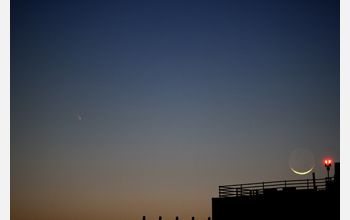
[328, 164]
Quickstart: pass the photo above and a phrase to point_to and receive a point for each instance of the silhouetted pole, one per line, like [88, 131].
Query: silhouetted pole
[314, 180]
[192, 218]
[144, 218]
[160, 217]
[208, 218]
[328, 164]
[177, 218]
[328, 172]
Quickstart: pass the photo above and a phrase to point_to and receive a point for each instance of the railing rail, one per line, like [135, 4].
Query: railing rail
[250, 189]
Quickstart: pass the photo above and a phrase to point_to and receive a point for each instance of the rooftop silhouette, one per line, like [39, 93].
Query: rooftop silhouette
[291, 199]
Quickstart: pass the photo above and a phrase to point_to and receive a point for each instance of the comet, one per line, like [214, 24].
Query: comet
[78, 115]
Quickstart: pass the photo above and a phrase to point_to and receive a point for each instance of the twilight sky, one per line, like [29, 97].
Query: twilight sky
[124, 109]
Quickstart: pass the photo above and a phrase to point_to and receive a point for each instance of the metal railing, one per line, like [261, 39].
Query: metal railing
[251, 189]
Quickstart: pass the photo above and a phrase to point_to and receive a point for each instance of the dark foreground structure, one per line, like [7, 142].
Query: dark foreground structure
[289, 199]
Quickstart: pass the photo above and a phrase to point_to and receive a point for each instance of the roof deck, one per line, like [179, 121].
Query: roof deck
[252, 189]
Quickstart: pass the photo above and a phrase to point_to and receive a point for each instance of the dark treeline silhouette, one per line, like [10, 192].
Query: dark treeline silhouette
[176, 218]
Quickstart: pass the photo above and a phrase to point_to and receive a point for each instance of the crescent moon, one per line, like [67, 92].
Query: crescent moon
[301, 173]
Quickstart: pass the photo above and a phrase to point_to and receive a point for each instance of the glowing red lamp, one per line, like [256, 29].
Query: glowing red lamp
[328, 163]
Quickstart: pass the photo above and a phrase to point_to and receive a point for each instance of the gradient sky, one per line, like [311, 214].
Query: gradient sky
[124, 109]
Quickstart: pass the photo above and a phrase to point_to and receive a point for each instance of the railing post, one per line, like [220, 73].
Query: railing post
[177, 218]
[263, 187]
[307, 183]
[285, 183]
[314, 180]
[144, 218]
[208, 218]
[160, 217]
[241, 190]
[192, 218]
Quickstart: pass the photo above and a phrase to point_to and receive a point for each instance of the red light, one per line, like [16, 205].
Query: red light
[328, 162]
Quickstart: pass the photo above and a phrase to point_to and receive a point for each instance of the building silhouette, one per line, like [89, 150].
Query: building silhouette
[289, 199]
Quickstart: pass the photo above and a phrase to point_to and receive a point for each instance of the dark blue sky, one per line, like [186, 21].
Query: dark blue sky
[175, 98]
